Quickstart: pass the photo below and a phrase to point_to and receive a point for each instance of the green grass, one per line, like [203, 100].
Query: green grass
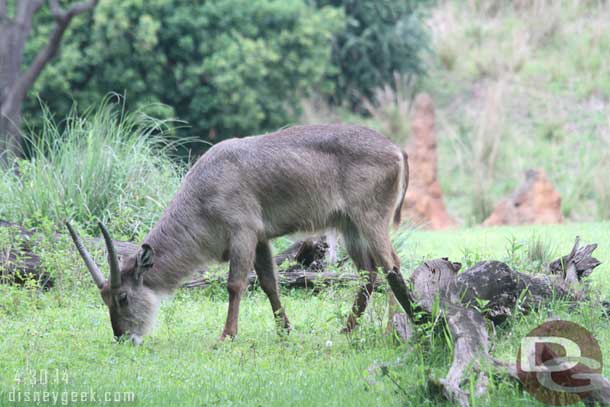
[526, 83]
[181, 364]
[514, 88]
[495, 242]
[102, 162]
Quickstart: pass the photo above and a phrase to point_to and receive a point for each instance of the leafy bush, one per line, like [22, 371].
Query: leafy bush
[381, 39]
[227, 67]
[103, 163]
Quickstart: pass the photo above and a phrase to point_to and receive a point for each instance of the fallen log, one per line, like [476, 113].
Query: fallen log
[303, 265]
[295, 278]
[492, 290]
[18, 263]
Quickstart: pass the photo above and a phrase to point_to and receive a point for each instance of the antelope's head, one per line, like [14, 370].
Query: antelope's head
[131, 303]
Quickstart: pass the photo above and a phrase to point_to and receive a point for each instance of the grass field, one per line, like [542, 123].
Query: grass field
[66, 333]
[514, 87]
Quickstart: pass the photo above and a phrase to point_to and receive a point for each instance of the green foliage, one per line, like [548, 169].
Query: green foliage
[531, 255]
[382, 38]
[105, 164]
[67, 329]
[227, 67]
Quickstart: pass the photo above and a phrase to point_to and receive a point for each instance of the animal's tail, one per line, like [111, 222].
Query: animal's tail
[405, 170]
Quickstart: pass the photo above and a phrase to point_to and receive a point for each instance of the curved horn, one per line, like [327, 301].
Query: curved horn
[113, 261]
[97, 275]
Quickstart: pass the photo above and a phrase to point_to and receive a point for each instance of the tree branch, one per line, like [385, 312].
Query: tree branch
[25, 11]
[56, 9]
[77, 8]
[62, 20]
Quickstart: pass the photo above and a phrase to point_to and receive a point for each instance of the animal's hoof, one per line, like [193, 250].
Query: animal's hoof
[350, 324]
[283, 329]
[283, 324]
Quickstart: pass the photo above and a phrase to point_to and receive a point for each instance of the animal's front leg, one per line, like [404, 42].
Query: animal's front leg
[241, 261]
[263, 265]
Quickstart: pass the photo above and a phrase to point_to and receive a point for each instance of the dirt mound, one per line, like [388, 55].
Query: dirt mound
[424, 201]
[535, 201]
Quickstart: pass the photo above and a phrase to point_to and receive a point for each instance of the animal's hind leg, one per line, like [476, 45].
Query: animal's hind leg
[378, 240]
[263, 265]
[358, 252]
[241, 260]
[392, 303]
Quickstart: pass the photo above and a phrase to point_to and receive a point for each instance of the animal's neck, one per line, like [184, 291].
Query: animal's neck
[176, 253]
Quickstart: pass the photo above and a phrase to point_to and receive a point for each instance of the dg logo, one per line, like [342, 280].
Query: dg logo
[559, 363]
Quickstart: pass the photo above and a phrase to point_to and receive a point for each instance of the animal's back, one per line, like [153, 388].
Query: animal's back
[299, 151]
[299, 178]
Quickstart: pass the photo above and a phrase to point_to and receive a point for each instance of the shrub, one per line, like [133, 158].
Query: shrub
[381, 39]
[104, 162]
[227, 67]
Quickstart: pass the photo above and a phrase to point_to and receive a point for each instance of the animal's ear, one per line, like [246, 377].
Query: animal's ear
[144, 259]
[456, 266]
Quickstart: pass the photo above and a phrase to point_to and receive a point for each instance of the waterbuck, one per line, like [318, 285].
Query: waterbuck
[244, 192]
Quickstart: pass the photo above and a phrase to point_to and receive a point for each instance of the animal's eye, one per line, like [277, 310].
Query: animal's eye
[122, 299]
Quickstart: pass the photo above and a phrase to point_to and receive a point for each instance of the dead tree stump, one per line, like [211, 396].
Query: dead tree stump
[18, 264]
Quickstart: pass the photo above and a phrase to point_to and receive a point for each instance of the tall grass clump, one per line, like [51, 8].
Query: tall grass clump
[104, 164]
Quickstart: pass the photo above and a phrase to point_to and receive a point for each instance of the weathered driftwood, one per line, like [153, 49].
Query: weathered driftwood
[18, 263]
[305, 259]
[491, 290]
[576, 265]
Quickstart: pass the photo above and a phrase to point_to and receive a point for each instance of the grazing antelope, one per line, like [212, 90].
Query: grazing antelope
[244, 192]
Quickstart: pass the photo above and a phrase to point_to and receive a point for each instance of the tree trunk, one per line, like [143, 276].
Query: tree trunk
[12, 43]
[10, 133]
[15, 84]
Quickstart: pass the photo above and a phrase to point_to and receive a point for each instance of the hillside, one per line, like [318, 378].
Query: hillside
[519, 85]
